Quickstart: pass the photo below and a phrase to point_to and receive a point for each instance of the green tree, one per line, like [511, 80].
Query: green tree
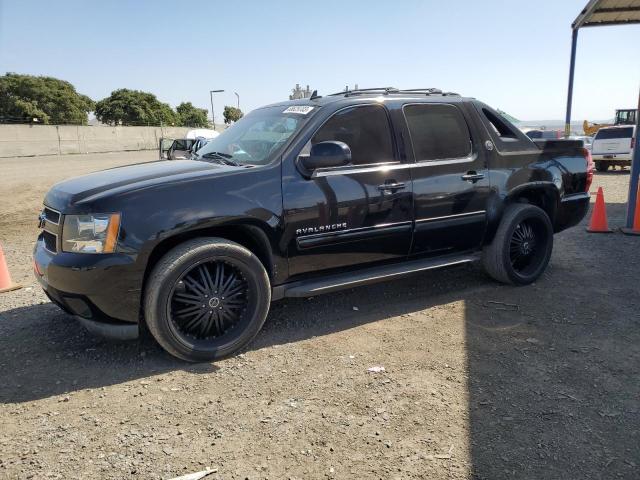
[47, 99]
[133, 107]
[190, 116]
[232, 114]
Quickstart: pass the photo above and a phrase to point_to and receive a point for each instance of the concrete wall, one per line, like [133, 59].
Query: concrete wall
[32, 140]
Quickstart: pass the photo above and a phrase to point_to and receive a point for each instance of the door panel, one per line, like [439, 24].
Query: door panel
[352, 215]
[450, 180]
[345, 219]
[450, 212]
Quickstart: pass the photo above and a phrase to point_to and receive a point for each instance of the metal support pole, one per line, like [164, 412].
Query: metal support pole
[213, 118]
[238, 99]
[635, 172]
[572, 66]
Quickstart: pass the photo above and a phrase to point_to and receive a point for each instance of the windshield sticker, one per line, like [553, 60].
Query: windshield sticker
[301, 109]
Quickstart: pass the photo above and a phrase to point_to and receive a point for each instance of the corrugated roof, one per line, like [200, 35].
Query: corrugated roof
[608, 12]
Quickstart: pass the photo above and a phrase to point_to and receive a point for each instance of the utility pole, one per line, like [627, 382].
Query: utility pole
[213, 118]
[238, 99]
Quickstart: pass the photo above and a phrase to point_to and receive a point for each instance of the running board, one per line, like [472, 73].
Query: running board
[318, 286]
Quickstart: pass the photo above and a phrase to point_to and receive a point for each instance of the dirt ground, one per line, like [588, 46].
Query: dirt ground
[481, 381]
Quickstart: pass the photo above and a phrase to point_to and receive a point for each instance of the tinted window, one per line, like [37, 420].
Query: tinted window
[499, 126]
[437, 132]
[366, 131]
[607, 133]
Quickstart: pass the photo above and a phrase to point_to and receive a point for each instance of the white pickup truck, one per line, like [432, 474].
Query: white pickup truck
[613, 146]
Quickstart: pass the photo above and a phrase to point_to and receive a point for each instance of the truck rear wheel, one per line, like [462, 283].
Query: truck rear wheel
[521, 248]
[602, 166]
[206, 299]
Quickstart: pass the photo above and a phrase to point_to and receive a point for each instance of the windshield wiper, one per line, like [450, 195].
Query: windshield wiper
[224, 158]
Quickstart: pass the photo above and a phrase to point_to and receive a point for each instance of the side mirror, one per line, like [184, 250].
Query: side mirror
[327, 154]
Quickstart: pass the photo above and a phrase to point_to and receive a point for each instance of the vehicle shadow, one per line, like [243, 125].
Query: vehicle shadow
[45, 352]
[553, 376]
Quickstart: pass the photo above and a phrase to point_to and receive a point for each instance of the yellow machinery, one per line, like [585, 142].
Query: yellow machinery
[623, 117]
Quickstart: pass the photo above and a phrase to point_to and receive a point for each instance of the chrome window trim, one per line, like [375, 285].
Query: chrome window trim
[444, 217]
[447, 161]
[391, 166]
[350, 169]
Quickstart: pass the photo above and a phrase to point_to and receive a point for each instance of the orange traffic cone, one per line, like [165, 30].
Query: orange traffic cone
[598, 223]
[635, 229]
[6, 285]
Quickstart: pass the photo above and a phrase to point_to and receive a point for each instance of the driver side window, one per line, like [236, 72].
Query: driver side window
[365, 129]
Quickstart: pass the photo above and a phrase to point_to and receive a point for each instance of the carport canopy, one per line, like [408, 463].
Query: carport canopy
[608, 12]
[599, 13]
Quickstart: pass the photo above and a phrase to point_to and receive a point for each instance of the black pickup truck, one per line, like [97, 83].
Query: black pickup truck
[302, 198]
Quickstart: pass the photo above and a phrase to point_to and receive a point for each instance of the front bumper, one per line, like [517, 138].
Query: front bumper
[97, 288]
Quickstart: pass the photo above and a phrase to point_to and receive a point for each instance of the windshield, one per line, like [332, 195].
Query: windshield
[255, 139]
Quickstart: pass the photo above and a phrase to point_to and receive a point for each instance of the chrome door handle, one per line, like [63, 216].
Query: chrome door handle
[392, 186]
[472, 176]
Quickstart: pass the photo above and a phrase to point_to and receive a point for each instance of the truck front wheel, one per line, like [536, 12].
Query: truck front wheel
[206, 299]
[602, 166]
[521, 248]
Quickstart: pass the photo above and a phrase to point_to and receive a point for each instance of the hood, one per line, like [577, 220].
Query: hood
[123, 179]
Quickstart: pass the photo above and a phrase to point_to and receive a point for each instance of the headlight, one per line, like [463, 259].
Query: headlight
[95, 233]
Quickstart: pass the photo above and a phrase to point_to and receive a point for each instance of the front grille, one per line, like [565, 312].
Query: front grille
[51, 215]
[50, 223]
[50, 241]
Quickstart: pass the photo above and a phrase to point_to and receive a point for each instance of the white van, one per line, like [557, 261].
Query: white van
[179, 149]
[613, 146]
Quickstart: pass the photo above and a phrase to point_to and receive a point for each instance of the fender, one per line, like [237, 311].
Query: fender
[544, 194]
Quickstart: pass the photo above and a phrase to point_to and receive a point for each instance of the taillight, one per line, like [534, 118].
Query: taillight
[633, 142]
[590, 167]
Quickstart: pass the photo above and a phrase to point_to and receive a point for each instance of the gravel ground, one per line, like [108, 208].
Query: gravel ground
[481, 381]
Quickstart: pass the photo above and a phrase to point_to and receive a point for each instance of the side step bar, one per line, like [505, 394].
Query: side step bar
[318, 286]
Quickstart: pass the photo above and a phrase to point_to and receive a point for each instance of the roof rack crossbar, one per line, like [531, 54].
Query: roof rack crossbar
[391, 90]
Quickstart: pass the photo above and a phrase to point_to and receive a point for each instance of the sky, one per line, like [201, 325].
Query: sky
[511, 54]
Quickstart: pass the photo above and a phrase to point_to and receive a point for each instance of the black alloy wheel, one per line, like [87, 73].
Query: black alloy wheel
[522, 246]
[209, 300]
[527, 245]
[206, 299]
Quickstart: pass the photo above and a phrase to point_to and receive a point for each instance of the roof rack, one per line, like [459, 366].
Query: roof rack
[391, 90]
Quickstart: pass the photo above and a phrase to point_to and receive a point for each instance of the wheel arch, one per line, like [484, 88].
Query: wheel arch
[250, 236]
[543, 195]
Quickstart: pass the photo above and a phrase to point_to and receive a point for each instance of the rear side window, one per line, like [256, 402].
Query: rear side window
[607, 133]
[365, 129]
[499, 126]
[437, 132]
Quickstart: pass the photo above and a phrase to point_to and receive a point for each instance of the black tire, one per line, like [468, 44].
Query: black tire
[602, 166]
[521, 248]
[199, 272]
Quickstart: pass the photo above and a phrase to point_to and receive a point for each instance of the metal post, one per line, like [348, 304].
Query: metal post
[635, 172]
[567, 121]
[213, 118]
[238, 99]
